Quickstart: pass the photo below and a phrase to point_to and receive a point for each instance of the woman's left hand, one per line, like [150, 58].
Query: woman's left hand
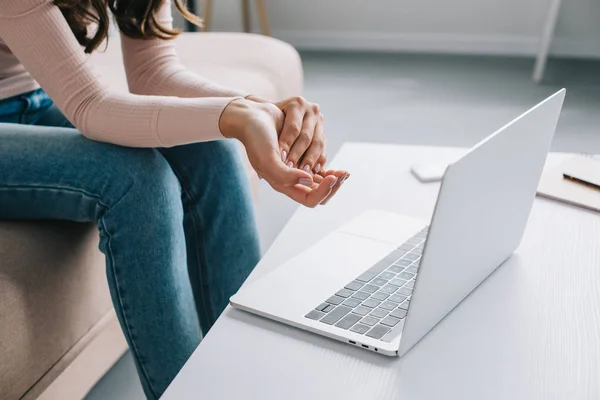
[302, 140]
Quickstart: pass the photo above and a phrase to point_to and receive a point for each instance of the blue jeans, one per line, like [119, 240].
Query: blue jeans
[176, 225]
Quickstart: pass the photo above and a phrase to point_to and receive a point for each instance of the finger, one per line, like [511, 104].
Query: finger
[315, 150]
[277, 173]
[319, 177]
[342, 177]
[307, 196]
[320, 164]
[304, 139]
[292, 124]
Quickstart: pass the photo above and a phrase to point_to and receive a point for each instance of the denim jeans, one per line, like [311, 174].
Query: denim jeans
[176, 225]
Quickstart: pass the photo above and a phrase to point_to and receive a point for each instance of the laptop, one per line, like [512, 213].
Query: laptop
[383, 281]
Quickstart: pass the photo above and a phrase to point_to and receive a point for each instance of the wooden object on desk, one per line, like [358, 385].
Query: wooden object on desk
[261, 8]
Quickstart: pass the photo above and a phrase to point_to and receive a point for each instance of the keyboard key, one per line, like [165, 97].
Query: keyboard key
[315, 314]
[366, 276]
[335, 300]
[417, 250]
[351, 303]
[389, 289]
[394, 255]
[422, 234]
[321, 307]
[404, 305]
[378, 281]
[390, 321]
[405, 275]
[395, 268]
[417, 263]
[361, 295]
[360, 328]
[398, 298]
[410, 284]
[412, 269]
[335, 315]
[370, 321]
[328, 308]
[387, 275]
[411, 256]
[403, 263]
[344, 293]
[361, 310]
[380, 266]
[380, 296]
[386, 261]
[406, 291]
[414, 240]
[398, 282]
[379, 313]
[406, 247]
[378, 331]
[354, 285]
[348, 321]
[398, 313]
[370, 288]
[388, 305]
[372, 303]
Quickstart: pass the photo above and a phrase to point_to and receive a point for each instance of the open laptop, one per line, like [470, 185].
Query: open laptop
[383, 281]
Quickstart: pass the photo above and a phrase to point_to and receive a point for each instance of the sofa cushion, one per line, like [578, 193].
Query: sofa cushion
[257, 64]
[52, 291]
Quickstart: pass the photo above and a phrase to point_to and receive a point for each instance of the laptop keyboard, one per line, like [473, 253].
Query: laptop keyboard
[378, 299]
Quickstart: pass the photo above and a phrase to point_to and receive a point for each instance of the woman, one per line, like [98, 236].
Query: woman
[158, 176]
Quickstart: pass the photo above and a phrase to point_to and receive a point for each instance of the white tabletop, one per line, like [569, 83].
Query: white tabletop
[530, 331]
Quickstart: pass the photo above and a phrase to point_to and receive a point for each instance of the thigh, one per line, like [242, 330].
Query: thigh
[210, 170]
[49, 172]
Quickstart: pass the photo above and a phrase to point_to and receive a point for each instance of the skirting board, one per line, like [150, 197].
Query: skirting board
[436, 43]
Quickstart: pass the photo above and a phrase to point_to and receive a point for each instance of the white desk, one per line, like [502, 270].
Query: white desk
[530, 331]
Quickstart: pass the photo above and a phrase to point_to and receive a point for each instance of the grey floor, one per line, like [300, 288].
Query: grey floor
[417, 99]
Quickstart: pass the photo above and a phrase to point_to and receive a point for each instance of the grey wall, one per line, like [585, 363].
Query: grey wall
[456, 26]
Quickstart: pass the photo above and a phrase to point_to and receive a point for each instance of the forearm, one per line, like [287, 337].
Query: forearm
[38, 35]
[153, 68]
[150, 121]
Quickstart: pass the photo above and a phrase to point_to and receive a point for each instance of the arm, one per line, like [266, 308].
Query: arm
[152, 67]
[38, 35]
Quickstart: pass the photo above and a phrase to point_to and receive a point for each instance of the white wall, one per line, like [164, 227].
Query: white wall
[462, 26]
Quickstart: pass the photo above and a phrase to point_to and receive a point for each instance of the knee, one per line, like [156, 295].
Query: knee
[232, 184]
[144, 176]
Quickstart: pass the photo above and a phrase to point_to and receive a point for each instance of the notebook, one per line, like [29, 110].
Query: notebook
[555, 186]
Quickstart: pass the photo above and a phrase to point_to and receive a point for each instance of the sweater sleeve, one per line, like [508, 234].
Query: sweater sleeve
[153, 68]
[38, 35]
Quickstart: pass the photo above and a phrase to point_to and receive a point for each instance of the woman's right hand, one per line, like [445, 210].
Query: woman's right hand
[257, 126]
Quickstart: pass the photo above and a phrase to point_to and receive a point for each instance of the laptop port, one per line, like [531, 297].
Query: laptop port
[365, 346]
[352, 341]
[376, 349]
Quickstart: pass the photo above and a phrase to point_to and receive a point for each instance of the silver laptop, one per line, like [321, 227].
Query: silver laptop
[383, 281]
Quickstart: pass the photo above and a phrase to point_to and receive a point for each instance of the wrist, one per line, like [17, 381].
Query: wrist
[232, 122]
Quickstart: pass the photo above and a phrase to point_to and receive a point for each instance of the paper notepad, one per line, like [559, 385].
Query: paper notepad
[553, 185]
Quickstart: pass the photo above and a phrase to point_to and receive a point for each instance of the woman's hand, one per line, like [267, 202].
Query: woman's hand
[302, 140]
[257, 126]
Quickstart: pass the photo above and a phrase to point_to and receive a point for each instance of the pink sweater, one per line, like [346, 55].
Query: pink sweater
[167, 106]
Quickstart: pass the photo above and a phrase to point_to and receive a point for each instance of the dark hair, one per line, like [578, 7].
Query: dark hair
[136, 19]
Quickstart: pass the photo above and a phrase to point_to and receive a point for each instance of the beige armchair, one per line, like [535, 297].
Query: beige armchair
[58, 331]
